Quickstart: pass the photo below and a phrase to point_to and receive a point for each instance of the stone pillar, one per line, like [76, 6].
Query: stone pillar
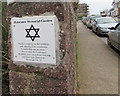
[58, 79]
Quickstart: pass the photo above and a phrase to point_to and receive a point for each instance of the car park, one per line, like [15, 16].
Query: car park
[113, 38]
[101, 25]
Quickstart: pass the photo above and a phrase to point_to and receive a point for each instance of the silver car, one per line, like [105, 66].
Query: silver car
[101, 25]
[84, 19]
[113, 38]
[91, 20]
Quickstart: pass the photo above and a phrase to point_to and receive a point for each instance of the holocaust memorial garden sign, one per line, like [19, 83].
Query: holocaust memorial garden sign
[34, 39]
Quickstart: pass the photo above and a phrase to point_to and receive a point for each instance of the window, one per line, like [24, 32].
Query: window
[106, 20]
[118, 27]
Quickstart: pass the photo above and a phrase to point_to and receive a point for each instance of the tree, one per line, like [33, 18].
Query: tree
[4, 27]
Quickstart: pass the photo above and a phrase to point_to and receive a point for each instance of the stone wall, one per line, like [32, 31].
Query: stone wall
[57, 80]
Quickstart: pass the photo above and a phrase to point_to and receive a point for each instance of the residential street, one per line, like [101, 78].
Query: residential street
[98, 64]
[68, 47]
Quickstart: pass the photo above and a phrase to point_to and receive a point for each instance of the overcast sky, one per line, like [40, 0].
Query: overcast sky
[95, 6]
[9, 0]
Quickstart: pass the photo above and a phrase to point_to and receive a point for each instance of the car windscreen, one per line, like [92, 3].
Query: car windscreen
[118, 27]
[93, 18]
[105, 20]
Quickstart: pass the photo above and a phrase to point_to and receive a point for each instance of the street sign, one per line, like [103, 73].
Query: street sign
[33, 39]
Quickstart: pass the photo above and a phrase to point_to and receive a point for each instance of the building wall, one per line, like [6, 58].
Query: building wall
[115, 12]
[82, 10]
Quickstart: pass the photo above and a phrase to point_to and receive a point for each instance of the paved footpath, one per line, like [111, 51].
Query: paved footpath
[98, 64]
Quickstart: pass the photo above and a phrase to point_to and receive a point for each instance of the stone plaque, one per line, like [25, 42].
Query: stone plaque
[33, 39]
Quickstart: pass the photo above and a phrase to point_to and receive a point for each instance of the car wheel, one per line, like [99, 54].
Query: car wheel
[97, 33]
[92, 29]
[108, 42]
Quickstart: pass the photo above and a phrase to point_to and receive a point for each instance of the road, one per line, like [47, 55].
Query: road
[97, 71]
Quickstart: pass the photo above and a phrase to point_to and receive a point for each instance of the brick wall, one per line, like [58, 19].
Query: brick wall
[58, 80]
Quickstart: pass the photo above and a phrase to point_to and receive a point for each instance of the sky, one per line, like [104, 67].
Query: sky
[9, 0]
[95, 6]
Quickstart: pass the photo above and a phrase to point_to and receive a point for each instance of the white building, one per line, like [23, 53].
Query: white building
[116, 7]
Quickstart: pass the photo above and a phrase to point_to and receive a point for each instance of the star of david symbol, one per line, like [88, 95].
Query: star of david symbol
[36, 35]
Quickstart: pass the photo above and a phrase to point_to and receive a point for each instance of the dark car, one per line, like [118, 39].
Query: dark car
[113, 38]
[101, 25]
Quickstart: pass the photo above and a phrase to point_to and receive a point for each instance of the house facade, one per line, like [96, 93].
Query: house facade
[82, 10]
[115, 11]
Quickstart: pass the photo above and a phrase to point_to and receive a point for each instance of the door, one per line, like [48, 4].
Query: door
[114, 37]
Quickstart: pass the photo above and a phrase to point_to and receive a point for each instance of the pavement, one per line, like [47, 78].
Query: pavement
[97, 71]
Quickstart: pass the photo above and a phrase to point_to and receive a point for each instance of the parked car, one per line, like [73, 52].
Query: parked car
[91, 20]
[94, 24]
[84, 19]
[113, 38]
[101, 25]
